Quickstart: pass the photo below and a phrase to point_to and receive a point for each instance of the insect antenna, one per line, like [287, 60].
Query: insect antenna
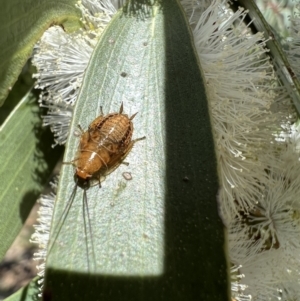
[86, 207]
[64, 215]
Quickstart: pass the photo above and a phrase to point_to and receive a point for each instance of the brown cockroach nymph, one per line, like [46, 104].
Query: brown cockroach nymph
[102, 148]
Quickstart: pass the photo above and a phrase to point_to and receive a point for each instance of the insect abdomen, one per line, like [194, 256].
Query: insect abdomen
[115, 128]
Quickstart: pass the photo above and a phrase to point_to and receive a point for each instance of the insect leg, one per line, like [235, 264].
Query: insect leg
[71, 162]
[111, 150]
[129, 149]
[80, 132]
[138, 139]
[80, 128]
[101, 111]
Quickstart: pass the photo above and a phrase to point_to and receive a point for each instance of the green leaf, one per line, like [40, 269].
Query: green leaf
[26, 161]
[20, 88]
[27, 293]
[157, 236]
[279, 58]
[22, 24]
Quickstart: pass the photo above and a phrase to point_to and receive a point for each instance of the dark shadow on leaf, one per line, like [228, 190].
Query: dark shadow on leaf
[45, 155]
[27, 203]
[45, 158]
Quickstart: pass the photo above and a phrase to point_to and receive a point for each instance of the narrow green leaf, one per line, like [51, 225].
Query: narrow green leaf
[282, 66]
[20, 88]
[22, 24]
[26, 161]
[157, 236]
[27, 293]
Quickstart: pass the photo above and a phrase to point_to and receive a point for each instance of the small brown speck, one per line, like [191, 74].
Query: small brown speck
[123, 74]
[127, 176]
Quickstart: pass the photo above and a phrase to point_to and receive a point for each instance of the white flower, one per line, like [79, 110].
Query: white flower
[61, 59]
[294, 42]
[194, 9]
[265, 241]
[258, 171]
[96, 14]
[237, 288]
[265, 276]
[42, 230]
[244, 120]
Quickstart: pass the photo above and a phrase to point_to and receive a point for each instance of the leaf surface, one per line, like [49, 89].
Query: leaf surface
[26, 161]
[157, 236]
[22, 24]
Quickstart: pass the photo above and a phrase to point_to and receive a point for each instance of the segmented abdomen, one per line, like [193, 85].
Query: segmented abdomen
[114, 128]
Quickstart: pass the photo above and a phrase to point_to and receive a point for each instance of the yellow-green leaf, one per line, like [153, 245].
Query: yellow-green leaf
[26, 161]
[22, 24]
